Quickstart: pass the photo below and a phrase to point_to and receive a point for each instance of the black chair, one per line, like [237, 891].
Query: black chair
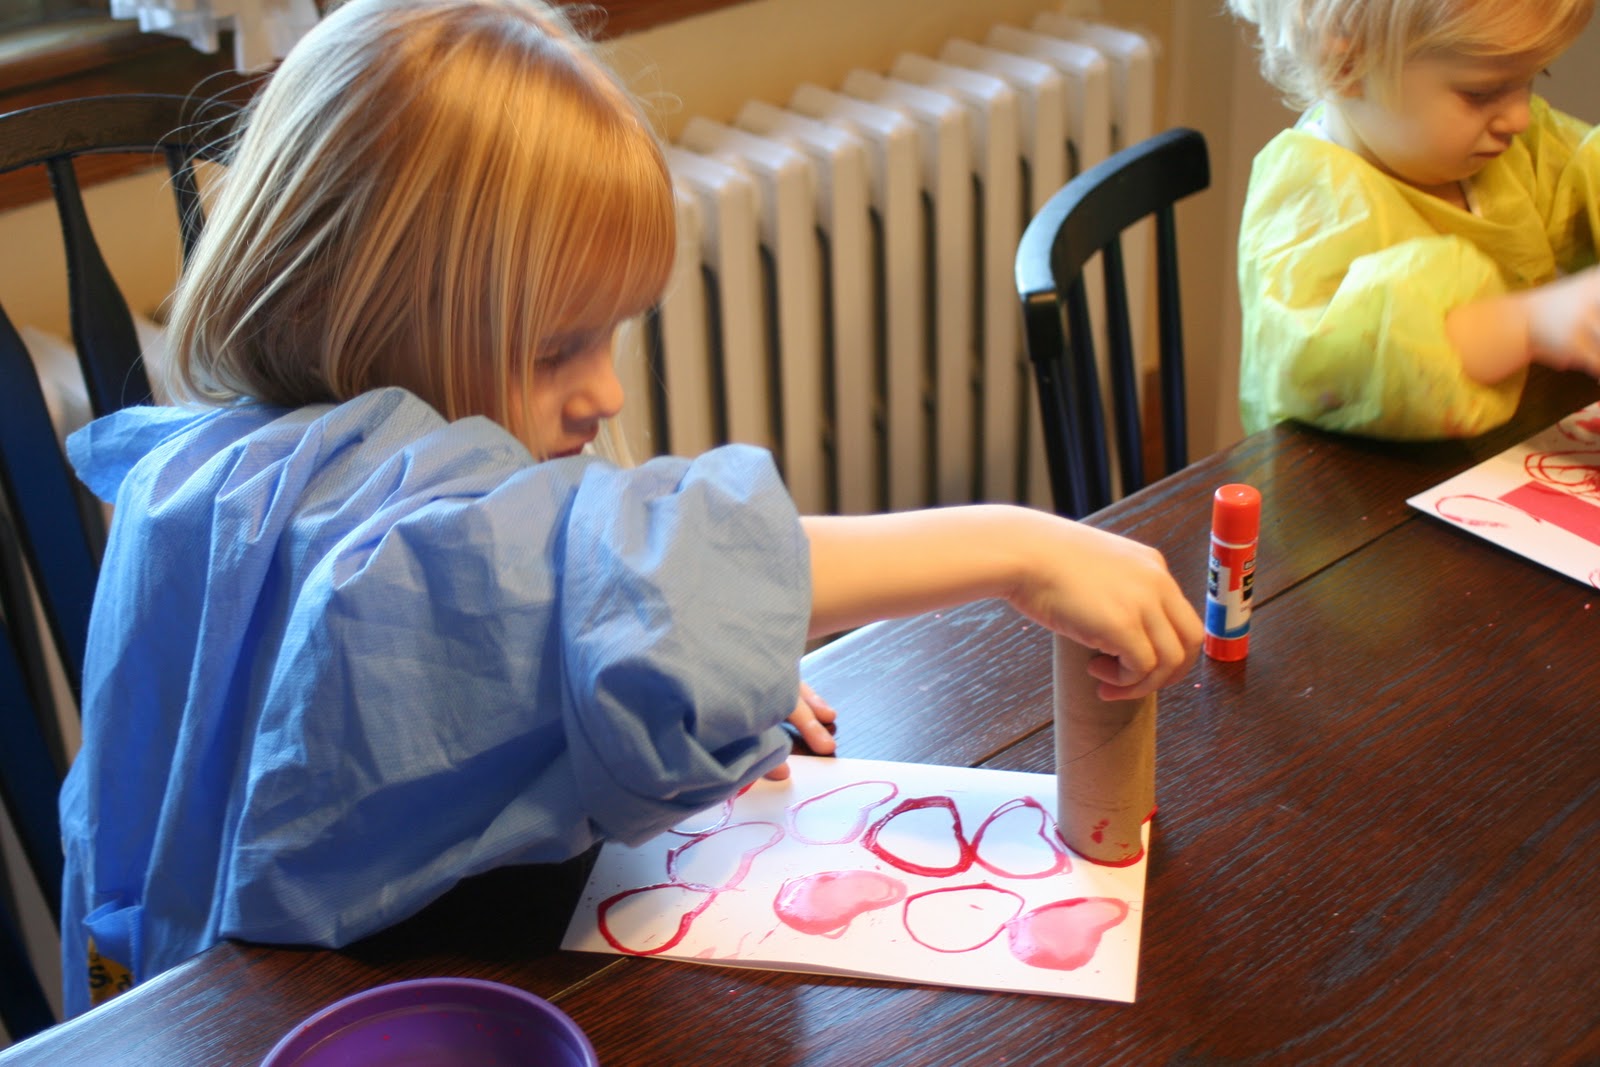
[1086, 216]
[31, 779]
[51, 532]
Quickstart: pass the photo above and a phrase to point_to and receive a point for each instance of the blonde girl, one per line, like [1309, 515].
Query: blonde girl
[1427, 230]
[373, 616]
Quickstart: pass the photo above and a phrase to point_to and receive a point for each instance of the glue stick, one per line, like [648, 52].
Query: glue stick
[1230, 578]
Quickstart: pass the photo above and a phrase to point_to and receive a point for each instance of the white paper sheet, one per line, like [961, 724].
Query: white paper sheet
[941, 875]
[1540, 498]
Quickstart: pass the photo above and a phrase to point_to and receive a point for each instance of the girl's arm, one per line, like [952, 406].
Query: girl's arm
[1100, 590]
[1557, 324]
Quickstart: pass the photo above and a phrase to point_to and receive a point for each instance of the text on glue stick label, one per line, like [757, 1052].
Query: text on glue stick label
[1229, 581]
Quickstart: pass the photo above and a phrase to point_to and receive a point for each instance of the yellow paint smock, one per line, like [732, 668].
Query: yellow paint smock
[1346, 275]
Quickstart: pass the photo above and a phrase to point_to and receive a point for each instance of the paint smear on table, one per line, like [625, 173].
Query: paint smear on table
[1540, 499]
[940, 875]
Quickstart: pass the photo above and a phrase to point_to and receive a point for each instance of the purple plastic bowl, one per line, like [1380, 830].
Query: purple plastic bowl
[441, 1022]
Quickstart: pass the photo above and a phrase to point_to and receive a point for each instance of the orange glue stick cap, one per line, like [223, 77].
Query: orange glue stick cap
[1236, 514]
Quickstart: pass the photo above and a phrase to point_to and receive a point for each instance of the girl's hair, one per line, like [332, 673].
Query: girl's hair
[423, 191]
[1315, 49]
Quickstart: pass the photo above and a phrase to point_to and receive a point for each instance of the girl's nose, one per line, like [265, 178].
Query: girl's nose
[1515, 116]
[600, 394]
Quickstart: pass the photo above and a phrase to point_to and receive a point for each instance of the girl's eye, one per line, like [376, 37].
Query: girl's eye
[561, 349]
[1494, 93]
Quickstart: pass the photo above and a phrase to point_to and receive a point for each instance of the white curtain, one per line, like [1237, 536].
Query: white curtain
[263, 30]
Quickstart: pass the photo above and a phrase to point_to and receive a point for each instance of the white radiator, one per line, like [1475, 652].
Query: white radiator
[844, 293]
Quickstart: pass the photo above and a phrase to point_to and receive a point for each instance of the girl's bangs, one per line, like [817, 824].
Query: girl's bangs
[1540, 31]
[621, 236]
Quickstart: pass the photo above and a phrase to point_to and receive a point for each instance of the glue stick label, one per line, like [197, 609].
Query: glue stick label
[1229, 581]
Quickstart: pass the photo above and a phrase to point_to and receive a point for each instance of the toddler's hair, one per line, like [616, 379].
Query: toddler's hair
[1314, 49]
[423, 190]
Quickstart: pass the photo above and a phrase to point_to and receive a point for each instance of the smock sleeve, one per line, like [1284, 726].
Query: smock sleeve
[480, 674]
[344, 656]
[684, 614]
[1344, 291]
[1565, 157]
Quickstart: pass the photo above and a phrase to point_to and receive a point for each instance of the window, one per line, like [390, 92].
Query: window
[17, 14]
[55, 49]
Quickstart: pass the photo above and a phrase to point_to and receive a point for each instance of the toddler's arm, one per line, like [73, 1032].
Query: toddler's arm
[1557, 324]
[1103, 591]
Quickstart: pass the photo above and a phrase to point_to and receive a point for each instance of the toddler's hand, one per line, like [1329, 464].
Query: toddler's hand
[1115, 596]
[1564, 323]
[811, 717]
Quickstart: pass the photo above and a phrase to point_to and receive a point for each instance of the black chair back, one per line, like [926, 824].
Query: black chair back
[51, 531]
[1087, 216]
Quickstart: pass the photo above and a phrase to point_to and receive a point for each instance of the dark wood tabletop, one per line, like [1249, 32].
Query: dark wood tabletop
[1378, 837]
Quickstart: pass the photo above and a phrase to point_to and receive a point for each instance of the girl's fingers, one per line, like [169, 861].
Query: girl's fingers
[810, 722]
[820, 707]
[1160, 653]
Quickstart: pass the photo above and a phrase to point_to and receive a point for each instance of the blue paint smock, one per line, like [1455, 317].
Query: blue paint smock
[342, 657]
[1346, 275]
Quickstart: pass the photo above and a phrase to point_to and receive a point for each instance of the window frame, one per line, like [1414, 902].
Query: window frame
[93, 56]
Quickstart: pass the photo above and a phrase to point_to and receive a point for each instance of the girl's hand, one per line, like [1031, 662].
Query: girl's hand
[1557, 324]
[811, 717]
[1564, 323]
[1114, 596]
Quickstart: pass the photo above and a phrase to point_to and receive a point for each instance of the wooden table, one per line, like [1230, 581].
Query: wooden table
[1378, 839]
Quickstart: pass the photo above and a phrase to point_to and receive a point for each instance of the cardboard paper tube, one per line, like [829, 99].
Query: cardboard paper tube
[1105, 763]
